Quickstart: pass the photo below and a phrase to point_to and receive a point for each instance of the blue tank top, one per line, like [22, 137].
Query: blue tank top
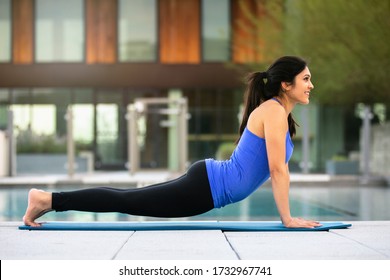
[235, 179]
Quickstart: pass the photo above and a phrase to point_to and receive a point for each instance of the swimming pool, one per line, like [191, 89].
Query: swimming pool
[324, 203]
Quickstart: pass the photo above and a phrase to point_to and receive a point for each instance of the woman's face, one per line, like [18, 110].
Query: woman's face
[299, 92]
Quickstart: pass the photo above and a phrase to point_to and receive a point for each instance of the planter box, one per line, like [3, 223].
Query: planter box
[341, 167]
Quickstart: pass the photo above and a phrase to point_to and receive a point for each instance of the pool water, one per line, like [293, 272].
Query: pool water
[325, 203]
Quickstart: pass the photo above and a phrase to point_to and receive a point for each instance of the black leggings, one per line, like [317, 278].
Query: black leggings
[186, 196]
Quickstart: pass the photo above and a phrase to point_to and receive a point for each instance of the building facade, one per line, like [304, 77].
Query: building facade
[100, 55]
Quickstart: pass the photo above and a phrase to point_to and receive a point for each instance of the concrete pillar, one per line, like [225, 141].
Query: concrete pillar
[70, 141]
[174, 95]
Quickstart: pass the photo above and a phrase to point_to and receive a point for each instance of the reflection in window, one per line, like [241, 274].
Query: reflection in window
[83, 122]
[37, 118]
[59, 31]
[137, 30]
[215, 30]
[107, 115]
[40, 111]
[5, 31]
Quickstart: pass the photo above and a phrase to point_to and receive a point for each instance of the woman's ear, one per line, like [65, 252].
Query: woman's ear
[285, 86]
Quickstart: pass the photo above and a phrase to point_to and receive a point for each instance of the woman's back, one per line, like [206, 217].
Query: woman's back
[247, 169]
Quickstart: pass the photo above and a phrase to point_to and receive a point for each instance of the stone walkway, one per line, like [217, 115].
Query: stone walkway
[363, 241]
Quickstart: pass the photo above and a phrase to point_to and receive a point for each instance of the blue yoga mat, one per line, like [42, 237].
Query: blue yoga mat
[180, 225]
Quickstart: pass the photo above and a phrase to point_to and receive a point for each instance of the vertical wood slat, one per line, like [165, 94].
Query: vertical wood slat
[247, 41]
[90, 31]
[22, 31]
[101, 30]
[179, 31]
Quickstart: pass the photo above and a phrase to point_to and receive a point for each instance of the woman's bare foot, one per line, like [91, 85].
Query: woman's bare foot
[39, 203]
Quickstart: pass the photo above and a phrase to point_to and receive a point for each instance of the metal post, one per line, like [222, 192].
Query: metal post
[133, 152]
[178, 131]
[183, 135]
[174, 135]
[11, 144]
[367, 116]
[305, 141]
[70, 141]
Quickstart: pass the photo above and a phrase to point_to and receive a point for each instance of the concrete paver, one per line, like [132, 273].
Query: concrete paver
[299, 245]
[59, 245]
[96, 178]
[374, 235]
[145, 178]
[165, 245]
[363, 241]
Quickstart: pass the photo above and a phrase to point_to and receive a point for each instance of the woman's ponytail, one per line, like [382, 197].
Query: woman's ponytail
[255, 95]
[292, 125]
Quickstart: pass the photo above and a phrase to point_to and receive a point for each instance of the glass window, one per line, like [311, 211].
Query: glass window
[83, 130]
[214, 120]
[38, 118]
[137, 30]
[215, 30]
[4, 101]
[4, 96]
[59, 31]
[83, 111]
[5, 30]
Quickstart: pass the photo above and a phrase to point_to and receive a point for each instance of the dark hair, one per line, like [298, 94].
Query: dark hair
[263, 86]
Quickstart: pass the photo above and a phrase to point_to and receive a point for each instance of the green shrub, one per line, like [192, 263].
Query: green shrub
[30, 142]
[225, 150]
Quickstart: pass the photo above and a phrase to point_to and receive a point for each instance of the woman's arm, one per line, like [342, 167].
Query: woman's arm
[275, 129]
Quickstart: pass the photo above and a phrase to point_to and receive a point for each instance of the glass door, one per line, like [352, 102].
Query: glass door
[110, 130]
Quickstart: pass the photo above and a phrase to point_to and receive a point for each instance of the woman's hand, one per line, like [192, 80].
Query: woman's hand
[301, 223]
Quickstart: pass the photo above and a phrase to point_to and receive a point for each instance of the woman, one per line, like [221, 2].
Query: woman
[263, 150]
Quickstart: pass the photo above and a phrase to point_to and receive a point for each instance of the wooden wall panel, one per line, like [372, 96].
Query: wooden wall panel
[101, 31]
[247, 41]
[22, 31]
[121, 75]
[179, 31]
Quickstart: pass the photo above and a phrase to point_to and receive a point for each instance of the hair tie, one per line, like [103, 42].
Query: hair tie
[262, 75]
